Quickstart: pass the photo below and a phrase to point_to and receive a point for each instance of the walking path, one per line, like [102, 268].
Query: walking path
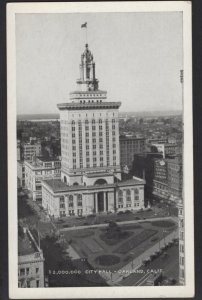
[119, 223]
[72, 253]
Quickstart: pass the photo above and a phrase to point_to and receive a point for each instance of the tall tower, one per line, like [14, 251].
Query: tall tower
[89, 129]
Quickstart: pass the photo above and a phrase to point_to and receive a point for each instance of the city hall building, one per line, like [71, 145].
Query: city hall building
[90, 166]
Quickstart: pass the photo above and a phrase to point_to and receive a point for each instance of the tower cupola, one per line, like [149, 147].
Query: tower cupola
[87, 80]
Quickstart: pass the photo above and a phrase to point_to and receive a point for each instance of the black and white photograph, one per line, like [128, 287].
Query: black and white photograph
[100, 159]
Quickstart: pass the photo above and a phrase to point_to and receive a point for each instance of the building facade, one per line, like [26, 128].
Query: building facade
[29, 150]
[90, 164]
[37, 170]
[129, 146]
[30, 261]
[175, 177]
[60, 200]
[21, 173]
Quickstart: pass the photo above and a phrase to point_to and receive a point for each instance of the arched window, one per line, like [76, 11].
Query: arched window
[93, 121]
[100, 121]
[71, 204]
[128, 195]
[75, 183]
[65, 179]
[120, 196]
[79, 200]
[73, 122]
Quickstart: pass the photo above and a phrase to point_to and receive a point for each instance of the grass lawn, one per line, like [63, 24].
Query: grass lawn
[132, 239]
[163, 223]
[135, 241]
[115, 239]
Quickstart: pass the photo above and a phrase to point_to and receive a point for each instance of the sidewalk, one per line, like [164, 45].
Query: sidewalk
[137, 262]
[119, 223]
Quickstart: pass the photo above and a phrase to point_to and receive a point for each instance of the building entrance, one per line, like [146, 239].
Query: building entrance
[100, 201]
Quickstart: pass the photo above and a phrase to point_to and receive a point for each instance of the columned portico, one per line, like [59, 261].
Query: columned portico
[100, 202]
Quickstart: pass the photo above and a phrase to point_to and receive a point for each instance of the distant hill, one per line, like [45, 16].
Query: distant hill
[141, 114]
[144, 114]
[29, 117]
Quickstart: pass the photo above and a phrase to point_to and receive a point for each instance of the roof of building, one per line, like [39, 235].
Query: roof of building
[98, 174]
[59, 186]
[25, 245]
[88, 105]
[130, 137]
[88, 92]
[47, 159]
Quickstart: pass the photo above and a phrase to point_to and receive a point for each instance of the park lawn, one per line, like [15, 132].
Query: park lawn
[96, 247]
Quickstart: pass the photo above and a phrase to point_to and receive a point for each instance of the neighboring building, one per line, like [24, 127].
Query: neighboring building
[29, 150]
[175, 177]
[165, 149]
[160, 189]
[30, 261]
[181, 243]
[160, 182]
[39, 169]
[160, 169]
[163, 176]
[157, 141]
[144, 167]
[21, 173]
[129, 146]
[90, 167]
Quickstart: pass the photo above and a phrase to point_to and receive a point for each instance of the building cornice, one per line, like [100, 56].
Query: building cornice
[90, 105]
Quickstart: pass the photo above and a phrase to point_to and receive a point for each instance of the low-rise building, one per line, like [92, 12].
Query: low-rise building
[38, 169]
[30, 261]
[96, 196]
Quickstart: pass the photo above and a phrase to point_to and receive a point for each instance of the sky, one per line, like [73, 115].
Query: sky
[138, 59]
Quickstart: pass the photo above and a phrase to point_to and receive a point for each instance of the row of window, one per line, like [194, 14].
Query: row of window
[26, 271]
[100, 121]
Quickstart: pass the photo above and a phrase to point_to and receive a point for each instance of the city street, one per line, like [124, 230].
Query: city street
[168, 262]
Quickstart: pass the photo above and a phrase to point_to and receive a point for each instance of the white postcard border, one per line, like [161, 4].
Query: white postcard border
[100, 292]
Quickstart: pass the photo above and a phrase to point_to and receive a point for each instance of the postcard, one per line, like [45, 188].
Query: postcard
[100, 150]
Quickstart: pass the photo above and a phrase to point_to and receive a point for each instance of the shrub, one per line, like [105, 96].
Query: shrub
[128, 212]
[65, 226]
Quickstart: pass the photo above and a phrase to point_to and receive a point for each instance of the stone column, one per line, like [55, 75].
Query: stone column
[75, 204]
[124, 198]
[96, 203]
[104, 199]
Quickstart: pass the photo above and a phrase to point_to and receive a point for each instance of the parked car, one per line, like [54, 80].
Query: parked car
[154, 279]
